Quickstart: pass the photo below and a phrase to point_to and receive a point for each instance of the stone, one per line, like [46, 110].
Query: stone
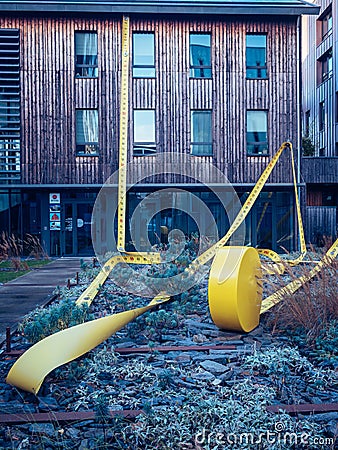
[190, 323]
[203, 376]
[332, 428]
[213, 367]
[325, 417]
[73, 433]
[183, 359]
[48, 404]
[46, 429]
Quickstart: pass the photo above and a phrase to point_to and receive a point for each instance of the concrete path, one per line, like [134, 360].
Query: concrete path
[22, 295]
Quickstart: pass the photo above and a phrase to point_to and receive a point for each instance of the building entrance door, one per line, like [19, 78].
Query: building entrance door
[76, 229]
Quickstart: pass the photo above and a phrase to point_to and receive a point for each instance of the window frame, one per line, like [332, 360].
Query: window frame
[265, 67]
[324, 20]
[95, 67]
[144, 148]
[200, 66]
[143, 66]
[85, 144]
[201, 143]
[260, 143]
[321, 116]
[323, 71]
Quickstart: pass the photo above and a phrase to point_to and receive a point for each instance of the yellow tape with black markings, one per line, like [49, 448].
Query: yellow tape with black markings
[296, 284]
[123, 146]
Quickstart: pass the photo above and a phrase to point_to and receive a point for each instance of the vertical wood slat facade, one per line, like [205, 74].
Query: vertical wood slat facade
[320, 221]
[51, 93]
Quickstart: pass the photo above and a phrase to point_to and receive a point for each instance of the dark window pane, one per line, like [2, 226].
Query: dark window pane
[200, 56]
[86, 54]
[86, 131]
[201, 135]
[143, 55]
[256, 56]
[144, 132]
[256, 133]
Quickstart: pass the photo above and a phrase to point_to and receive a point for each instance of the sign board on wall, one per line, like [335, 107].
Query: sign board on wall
[54, 211]
[54, 198]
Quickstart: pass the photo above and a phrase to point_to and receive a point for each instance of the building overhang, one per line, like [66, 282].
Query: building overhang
[196, 7]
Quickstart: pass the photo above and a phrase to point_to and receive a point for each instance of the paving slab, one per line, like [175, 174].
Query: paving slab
[20, 296]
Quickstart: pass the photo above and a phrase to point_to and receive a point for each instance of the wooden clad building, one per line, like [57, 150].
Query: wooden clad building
[320, 120]
[217, 81]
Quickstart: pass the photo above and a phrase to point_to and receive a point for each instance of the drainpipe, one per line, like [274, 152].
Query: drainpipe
[299, 109]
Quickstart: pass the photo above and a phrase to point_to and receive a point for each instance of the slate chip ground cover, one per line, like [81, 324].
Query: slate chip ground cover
[191, 400]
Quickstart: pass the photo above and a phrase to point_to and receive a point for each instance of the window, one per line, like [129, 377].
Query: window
[200, 56]
[143, 55]
[144, 132]
[87, 136]
[325, 25]
[256, 56]
[307, 123]
[325, 68]
[201, 134]
[337, 108]
[86, 54]
[9, 105]
[321, 116]
[256, 132]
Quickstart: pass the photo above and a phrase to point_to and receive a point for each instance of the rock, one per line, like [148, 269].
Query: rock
[48, 404]
[213, 367]
[226, 376]
[218, 358]
[199, 338]
[183, 359]
[332, 428]
[325, 417]
[84, 444]
[190, 323]
[203, 376]
[73, 433]
[46, 429]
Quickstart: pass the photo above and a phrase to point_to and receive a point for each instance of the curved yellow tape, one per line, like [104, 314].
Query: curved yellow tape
[235, 290]
[296, 284]
[32, 367]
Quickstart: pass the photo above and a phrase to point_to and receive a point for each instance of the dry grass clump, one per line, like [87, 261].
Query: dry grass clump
[313, 307]
[12, 248]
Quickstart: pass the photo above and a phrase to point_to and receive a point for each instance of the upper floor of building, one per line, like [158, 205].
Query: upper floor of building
[222, 88]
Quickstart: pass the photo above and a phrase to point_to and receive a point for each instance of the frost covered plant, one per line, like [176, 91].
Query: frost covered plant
[205, 421]
[287, 361]
[43, 322]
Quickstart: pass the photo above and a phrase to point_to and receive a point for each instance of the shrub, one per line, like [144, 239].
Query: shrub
[46, 321]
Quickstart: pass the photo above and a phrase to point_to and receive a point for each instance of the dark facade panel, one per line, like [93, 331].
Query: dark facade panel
[320, 170]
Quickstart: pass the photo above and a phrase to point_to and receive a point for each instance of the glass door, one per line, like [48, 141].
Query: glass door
[68, 229]
[76, 229]
[83, 229]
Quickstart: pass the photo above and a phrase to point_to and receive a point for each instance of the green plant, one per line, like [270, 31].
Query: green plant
[46, 321]
[308, 146]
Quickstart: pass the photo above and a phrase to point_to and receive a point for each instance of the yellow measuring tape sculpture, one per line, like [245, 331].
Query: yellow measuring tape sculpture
[235, 279]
